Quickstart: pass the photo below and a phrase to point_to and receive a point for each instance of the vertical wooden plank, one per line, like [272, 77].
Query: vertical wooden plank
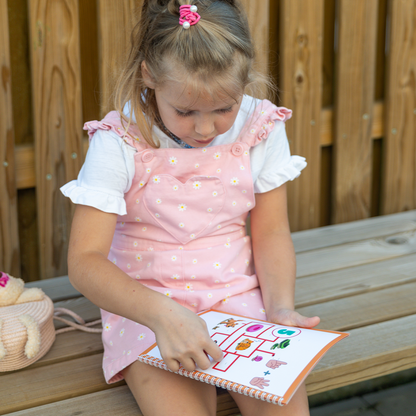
[355, 68]
[258, 19]
[9, 237]
[399, 192]
[116, 20]
[301, 85]
[56, 81]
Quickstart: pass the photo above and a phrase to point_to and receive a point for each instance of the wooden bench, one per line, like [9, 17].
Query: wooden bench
[358, 277]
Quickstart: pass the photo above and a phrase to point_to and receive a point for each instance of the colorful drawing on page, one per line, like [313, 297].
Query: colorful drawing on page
[244, 344]
[230, 322]
[286, 332]
[273, 364]
[282, 345]
[254, 328]
[257, 358]
[259, 382]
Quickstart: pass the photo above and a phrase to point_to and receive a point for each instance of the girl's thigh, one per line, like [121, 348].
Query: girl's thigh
[298, 406]
[160, 392]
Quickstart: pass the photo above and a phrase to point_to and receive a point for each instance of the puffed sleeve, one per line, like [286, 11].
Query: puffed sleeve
[271, 161]
[105, 176]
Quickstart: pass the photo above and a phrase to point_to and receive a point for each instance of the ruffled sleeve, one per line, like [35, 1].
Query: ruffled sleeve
[105, 176]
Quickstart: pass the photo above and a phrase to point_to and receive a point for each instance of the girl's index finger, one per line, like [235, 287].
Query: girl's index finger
[214, 351]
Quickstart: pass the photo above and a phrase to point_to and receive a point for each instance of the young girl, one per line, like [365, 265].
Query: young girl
[162, 200]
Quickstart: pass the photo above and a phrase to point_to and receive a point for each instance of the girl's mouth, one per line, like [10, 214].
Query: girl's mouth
[205, 141]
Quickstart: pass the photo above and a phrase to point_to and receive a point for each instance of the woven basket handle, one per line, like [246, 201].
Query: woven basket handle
[81, 325]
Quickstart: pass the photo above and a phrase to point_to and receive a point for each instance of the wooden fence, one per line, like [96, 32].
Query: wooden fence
[347, 68]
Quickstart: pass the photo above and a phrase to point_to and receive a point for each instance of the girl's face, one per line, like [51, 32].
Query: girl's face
[195, 117]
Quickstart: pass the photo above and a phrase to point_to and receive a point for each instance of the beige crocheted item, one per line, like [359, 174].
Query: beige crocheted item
[26, 324]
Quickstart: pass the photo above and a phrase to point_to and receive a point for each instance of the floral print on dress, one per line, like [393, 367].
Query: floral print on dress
[182, 207]
[197, 185]
[173, 160]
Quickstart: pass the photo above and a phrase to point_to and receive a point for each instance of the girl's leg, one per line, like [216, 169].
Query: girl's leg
[298, 405]
[160, 392]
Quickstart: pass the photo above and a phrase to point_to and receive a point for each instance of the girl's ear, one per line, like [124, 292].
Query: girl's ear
[147, 78]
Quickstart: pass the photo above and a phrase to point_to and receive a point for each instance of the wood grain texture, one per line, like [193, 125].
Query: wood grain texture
[115, 23]
[301, 85]
[9, 236]
[355, 66]
[399, 188]
[56, 81]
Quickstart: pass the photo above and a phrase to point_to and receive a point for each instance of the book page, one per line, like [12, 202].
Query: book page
[262, 355]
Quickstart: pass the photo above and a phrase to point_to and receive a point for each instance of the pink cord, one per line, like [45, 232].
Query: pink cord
[72, 325]
[185, 15]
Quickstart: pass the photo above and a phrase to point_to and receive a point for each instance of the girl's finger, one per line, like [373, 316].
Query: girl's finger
[188, 364]
[214, 351]
[202, 361]
[172, 364]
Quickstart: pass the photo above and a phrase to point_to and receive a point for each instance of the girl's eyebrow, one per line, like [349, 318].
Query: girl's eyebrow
[189, 109]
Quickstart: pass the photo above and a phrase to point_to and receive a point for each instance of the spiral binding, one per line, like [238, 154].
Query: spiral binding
[216, 381]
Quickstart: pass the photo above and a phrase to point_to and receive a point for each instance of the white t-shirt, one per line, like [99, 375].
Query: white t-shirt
[108, 169]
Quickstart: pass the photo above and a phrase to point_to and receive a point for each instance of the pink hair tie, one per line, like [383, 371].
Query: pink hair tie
[188, 16]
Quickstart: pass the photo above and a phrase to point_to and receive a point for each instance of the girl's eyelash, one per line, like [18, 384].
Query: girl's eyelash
[188, 113]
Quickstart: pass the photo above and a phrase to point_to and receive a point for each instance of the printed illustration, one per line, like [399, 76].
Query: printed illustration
[275, 364]
[259, 382]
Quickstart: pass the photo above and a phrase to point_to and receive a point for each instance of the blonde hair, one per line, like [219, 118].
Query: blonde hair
[218, 51]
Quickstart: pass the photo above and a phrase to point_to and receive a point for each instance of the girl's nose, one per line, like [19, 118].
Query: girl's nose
[204, 126]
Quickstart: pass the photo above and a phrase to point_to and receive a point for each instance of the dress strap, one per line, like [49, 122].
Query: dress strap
[261, 122]
[112, 122]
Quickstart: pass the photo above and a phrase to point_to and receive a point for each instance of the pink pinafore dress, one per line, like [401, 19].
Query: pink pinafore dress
[184, 233]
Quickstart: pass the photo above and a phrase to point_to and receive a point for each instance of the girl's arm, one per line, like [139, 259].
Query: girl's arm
[181, 335]
[274, 258]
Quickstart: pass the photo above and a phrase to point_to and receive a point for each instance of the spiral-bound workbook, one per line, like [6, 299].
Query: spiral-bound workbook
[261, 359]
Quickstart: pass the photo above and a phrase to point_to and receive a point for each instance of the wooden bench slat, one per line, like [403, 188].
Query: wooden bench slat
[117, 401]
[375, 227]
[324, 287]
[354, 254]
[58, 288]
[368, 352]
[365, 309]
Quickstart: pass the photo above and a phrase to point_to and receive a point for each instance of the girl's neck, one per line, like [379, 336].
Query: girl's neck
[175, 138]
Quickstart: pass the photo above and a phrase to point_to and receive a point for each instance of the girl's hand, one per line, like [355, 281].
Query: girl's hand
[183, 339]
[290, 317]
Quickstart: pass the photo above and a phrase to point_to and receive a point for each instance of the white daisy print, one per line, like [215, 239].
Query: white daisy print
[175, 277]
[141, 337]
[262, 112]
[156, 179]
[141, 183]
[135, 244]
[193, 277]
[194, 304]
[192, 236]
[262, 311]
[217, 265]
[249, 204]
[225, 300]
[174, 258]
[242, 167]
[209, 209]
[244, 304]
[197, 185]
[122, 332]
[218, 170]
[194, 261]
[158, 201]
[137, 276]
[114, 261]
[138, 219]
[188, 286]
[232, 271]
[244, 191]
[168, 293]
[148, 170]
[182, 207]
[139, 257]
[247, 262]
[234, 181]
[204, 150]
[209, 295]
[128, 265]
[197, 165]
[137, 201]
[252, 294]
[150, 249]
[217, 281]
[173, 160]
[227, 285]
[218, 226]
[111, 343]
[144, 228]
[123, 320]
[246, 153]
[149, 264]
[180, 248]
[228, 245]
[234, 203]
[217, 155]
[252, 131]
[215, 193]
[107, 327]
[181, 224]
[175, 187]
[128, 352]
[157, 215]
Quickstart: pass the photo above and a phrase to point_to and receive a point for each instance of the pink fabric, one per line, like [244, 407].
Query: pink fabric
[184, 234]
